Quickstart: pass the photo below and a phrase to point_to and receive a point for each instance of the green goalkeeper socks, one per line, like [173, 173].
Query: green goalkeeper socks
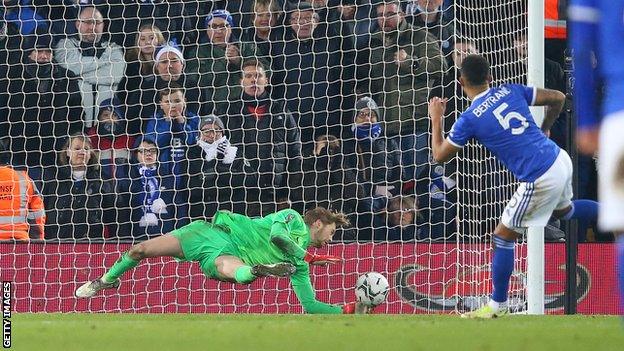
[243, 275]
[123, 264]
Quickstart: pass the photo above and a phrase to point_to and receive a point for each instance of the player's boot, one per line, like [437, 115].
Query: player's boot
[485, 312]
[91, 288]
[281, 269]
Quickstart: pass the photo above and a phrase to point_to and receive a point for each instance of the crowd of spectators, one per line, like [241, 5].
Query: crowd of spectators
[136, 118]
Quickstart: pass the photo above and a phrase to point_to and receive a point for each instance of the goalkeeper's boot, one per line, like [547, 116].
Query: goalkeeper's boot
[281, 269]
[91, 288]
[485, 312]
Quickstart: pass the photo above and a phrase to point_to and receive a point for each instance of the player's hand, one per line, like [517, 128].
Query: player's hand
[321, 260]
[437, 106]
[587, 141]
[356, 308]
[232, 54]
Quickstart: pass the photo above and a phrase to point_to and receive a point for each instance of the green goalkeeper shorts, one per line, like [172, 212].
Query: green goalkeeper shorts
[203, 242]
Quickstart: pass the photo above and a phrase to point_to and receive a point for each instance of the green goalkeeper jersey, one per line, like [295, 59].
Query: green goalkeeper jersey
[254, 239]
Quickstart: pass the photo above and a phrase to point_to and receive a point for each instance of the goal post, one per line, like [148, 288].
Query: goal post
[535, 235]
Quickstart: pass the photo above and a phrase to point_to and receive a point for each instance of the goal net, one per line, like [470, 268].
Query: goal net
[111, 110]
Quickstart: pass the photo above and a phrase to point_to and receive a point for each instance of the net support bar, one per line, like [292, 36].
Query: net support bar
[535, 235]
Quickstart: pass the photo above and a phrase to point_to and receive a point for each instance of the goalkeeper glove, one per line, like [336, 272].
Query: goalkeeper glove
[321, 260]
[356, 308]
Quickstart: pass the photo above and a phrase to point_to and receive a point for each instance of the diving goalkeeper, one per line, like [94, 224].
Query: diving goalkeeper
[236, 248]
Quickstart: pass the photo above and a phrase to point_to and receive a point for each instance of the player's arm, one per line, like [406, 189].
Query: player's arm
[584, 17]
[443, 150]
[554, 101]
[280, 237]
[305, 293]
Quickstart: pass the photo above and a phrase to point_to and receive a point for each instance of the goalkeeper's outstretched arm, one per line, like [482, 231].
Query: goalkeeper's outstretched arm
[301, 279]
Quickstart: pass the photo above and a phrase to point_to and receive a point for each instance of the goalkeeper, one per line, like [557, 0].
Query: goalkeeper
[236, 248]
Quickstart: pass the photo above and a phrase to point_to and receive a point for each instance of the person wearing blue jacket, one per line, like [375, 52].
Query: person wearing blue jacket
[173, 129]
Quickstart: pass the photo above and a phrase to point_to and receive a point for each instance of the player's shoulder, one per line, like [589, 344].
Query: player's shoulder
[467, 114]
[512, 87]
[287, 215]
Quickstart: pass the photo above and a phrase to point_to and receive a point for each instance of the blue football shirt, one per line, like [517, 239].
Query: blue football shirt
[500, 120]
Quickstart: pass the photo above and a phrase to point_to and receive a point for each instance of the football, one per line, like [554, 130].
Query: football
[371, 289]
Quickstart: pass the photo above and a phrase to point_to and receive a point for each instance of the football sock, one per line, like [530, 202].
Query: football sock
[502, 267]
[583, 210]
[243, 275]
[620, 269]
[123, 264]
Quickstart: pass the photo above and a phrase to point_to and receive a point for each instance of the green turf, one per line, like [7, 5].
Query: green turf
[92, 332]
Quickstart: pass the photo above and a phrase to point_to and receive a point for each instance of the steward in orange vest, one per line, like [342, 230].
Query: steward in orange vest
[22, 215]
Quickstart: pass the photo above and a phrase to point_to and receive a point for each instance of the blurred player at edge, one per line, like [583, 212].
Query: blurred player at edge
[595, 26]
[236, 248]
[499, 118]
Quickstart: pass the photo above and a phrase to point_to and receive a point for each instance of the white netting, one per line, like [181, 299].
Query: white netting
[431, 224]
[485, 186]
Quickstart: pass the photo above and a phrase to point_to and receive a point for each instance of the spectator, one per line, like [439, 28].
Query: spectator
[24, 16]
[217, 175]
[365, 21]
[554, 78]
[328, 12]
[169, 69]
[139, 79]
[397, 222]
[451, 89]
[174, 128]
[399, 69]
[110, 139]
[241, 11]
[41, 107]
[19, 21]
[217, 63]
[308, 73]
[436, 219]
[347, 11]
[180, 19]
[461, 49]
[151, 194]
[429, 15]
[376, 157]
[140, 57]
[22, 213]
[99, 63]
[60, 14]
[268, 138]
[267, 27]
[328, 181]
[339, 16]
[80, 205]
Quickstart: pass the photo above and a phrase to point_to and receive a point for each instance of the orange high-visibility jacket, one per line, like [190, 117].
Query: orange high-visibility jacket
[20, 205]
[555, 19]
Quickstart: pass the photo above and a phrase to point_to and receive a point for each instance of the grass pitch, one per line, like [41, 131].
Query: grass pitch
[312, 332]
